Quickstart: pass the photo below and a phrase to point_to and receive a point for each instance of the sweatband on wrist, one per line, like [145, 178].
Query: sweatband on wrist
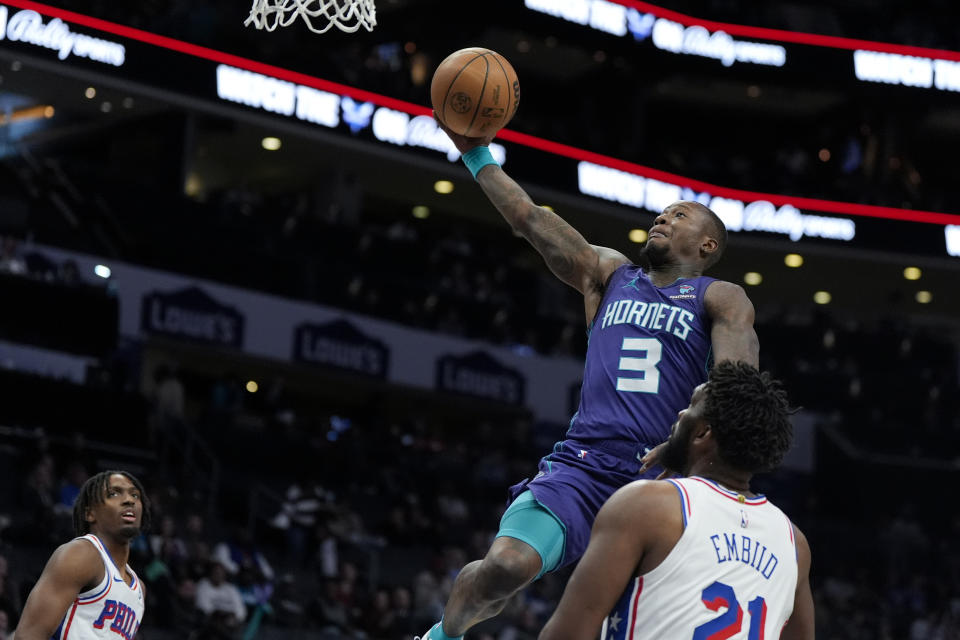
[477, 158]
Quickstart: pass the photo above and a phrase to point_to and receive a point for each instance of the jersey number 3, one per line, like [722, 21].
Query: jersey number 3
[730, 622]
[647, 365]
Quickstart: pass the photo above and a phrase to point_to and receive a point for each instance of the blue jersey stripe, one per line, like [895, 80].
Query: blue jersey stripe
[56, 634]
[683, 501]
[619, 624]
[96, 595]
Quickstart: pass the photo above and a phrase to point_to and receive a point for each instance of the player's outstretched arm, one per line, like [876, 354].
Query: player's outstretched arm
[72, 567]
[624, 530]
[733, 335]
[569, 256]
[800, 626]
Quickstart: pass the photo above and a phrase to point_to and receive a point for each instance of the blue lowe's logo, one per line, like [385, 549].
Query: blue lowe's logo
[686, 288]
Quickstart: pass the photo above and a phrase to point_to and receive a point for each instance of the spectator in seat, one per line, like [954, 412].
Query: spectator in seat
[220, 604]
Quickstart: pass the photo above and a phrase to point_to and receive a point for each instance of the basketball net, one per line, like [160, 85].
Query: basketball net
[320, 15]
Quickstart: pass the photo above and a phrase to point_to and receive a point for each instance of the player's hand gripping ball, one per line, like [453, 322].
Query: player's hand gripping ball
[475, 92]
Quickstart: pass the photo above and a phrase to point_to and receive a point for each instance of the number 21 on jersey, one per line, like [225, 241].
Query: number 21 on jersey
[652, 351]
[730, 622]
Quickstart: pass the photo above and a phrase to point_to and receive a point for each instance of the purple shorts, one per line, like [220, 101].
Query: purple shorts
[576, 479]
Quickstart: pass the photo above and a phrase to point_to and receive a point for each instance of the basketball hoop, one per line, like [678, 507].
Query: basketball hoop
[320, 15]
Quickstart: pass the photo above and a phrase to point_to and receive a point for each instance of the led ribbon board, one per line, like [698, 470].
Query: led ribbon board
[730, 44]
[181, 69]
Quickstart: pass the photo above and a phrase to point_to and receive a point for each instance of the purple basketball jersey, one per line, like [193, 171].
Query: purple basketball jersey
[648, 349]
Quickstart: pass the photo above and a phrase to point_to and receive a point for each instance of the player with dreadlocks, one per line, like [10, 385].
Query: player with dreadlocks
[87, 591]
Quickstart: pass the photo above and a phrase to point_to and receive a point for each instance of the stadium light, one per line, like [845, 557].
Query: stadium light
[793, 260]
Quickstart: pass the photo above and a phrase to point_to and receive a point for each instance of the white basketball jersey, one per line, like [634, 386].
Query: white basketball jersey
[731, 576]
[113, 609]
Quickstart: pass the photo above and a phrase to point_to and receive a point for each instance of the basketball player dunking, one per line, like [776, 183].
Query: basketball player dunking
[652, 335]
[702, 556]
[87, 591]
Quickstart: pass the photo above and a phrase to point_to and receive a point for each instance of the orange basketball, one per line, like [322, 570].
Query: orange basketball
[475, 92]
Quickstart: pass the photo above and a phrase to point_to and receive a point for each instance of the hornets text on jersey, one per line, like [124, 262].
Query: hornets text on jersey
[648, 349]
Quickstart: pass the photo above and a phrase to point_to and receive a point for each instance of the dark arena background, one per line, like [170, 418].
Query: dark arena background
[248, 267]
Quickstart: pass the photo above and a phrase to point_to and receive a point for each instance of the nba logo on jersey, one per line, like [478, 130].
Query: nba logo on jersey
[686, 288]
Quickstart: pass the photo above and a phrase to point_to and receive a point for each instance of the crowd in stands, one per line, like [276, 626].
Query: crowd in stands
[477, 281]
[451, 276]
[369, 550]
[876, 380]
[344, 548]
[444, 274]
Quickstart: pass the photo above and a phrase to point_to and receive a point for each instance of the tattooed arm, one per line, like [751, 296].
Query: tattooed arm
[569, 256]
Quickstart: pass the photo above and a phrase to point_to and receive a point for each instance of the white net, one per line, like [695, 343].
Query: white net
[320, 15]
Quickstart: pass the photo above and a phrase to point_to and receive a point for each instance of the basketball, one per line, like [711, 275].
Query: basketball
[475, 92]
